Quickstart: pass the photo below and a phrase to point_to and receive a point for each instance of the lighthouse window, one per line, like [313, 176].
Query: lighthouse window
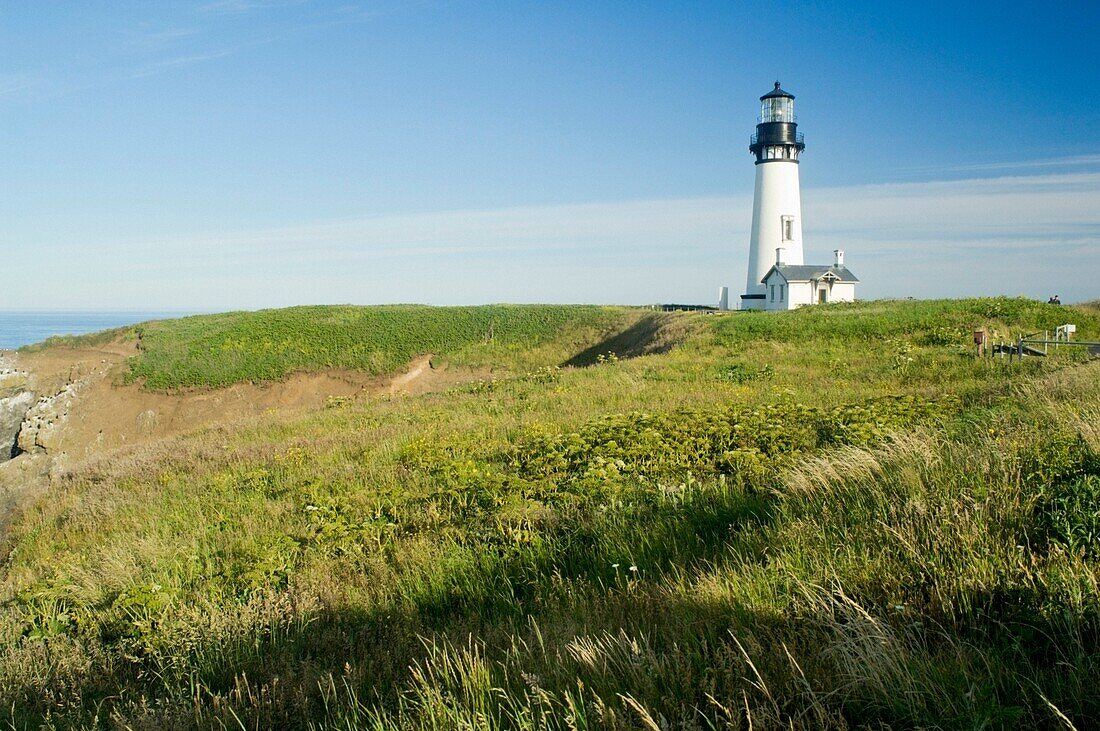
[777, 109]
[788, 228]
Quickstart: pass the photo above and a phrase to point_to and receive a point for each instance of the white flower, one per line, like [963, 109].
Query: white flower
[633, 568]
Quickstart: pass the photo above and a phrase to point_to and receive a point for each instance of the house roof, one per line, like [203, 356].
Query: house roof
[807, 272]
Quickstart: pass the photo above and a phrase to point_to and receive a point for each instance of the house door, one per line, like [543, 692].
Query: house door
[822, 296]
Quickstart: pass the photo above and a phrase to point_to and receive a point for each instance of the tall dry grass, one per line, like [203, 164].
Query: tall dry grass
[400, 563]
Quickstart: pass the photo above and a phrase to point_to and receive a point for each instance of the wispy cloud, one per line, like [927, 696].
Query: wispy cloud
[635, 226]
[1049, 163]
[164, 41]
[148, 40]
[1040, 205]
[1035, 235]
[258, 34]
[233, 7]
[1000, 235]
[12, 83]
[177, 62]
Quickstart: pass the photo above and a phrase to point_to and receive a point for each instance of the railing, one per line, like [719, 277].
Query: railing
[1026, 345]
[799, 139]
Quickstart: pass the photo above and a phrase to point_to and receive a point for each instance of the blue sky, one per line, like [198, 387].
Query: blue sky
[250, 153]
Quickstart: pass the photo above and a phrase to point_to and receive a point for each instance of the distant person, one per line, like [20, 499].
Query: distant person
[1054, 300]
[1057, 300]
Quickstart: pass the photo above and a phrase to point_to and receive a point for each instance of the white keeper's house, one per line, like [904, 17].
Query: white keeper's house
[787, 286]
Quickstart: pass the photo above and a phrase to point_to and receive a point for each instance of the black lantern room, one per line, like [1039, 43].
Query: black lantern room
[777, 138]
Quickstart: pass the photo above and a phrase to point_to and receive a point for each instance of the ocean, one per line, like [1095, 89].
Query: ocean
[24, 328]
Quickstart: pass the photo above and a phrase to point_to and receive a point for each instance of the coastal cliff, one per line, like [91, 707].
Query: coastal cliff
[34, 408]
[16, 399]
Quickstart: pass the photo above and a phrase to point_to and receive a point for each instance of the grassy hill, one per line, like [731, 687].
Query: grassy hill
[834, 517]
[217, 350]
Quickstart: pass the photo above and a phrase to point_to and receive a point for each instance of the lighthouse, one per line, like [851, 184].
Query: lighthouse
[776, 236]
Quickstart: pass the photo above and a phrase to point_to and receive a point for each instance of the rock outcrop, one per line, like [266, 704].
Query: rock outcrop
[29, 423]
[41, 428]
[16, 400]
[12, 412]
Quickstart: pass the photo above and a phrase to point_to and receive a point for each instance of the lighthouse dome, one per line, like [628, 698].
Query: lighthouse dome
[777, 106]
[777, 92]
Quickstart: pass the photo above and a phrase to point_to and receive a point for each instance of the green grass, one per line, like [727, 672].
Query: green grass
[831, 518]
[218, 350]
[89, 340]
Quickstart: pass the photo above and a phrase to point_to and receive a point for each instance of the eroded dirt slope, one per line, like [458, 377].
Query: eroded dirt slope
[93, 411]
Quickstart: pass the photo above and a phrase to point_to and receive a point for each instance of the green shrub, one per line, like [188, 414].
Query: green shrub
[741, 373]
[708, 441]
[1070, 513]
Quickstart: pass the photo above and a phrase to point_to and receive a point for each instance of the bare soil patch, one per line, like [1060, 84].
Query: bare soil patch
[107, 414]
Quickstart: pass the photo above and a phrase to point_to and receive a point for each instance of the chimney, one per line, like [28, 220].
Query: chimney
[779, 255]
[839, 254]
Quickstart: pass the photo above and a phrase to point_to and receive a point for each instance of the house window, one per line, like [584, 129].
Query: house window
[781, 288]
[822, 295]
[788, 228]
[772, 292]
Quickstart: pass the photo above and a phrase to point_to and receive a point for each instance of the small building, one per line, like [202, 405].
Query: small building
[787, 286]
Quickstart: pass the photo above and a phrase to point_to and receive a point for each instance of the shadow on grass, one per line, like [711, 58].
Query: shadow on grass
[568, 609]
[272, 674]
[648, 336]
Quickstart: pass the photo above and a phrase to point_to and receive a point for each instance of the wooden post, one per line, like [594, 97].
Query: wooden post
[979, 342]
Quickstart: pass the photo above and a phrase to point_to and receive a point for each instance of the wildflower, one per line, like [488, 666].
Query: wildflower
[633, 568]
[614, 565]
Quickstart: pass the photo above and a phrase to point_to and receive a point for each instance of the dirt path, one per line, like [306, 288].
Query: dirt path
[415, 378]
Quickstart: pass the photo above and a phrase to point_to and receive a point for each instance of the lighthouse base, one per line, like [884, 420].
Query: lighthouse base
[752, 301]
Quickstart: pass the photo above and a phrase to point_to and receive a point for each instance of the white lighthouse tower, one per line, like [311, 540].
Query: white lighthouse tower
[777, 206]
